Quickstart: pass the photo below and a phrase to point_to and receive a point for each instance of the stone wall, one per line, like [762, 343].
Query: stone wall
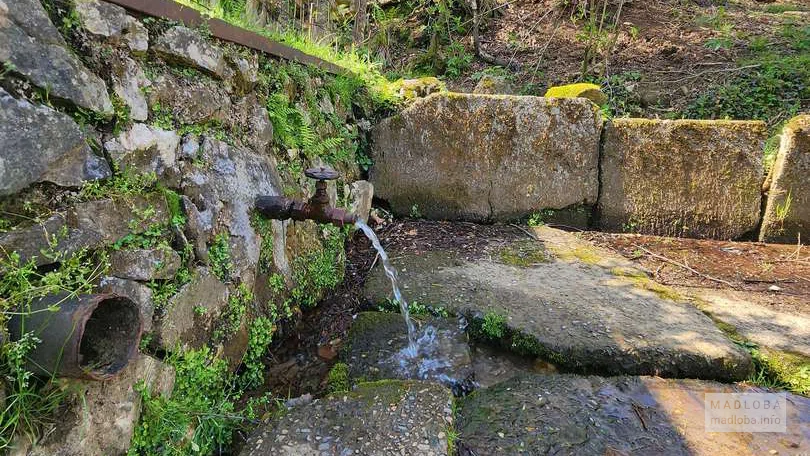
[787, 214]
[145, 143]
[683, 178]
[486, 158]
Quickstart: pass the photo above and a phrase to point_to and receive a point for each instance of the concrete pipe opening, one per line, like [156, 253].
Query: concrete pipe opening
[110, 337]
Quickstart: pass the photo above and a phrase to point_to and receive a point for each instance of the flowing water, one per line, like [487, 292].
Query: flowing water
[411, 350]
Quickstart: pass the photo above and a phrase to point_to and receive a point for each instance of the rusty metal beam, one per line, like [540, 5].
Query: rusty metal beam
[192, 18]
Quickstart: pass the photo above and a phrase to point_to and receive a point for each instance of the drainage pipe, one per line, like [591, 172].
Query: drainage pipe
[92, 336]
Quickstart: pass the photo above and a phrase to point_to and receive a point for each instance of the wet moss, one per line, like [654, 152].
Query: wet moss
[338, 378]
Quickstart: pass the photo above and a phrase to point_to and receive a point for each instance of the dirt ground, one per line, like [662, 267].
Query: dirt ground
[772, 275]
[663, 41]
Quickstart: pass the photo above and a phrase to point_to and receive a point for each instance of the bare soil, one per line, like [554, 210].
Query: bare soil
[772, 275]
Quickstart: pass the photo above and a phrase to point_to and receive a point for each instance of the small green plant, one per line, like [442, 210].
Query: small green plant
[219, 256]
[231, 320]
[458, 60]
[319, 271]
[259, 338]
[415, 212]
[200, 310]
[414, 308]
[338, 378]
[494, 325]
[124, 182]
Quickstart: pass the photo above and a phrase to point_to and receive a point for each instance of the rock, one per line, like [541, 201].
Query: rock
[251, 118]
[406, 418]
[191, 101]
[137, 292]
[247, 72]
[145, 264]
[101, 18]
[581, 90]
[192, 314]
[34, 242]
[30, 42]
[137, 37]
[492, 85]
[541, 414]
[361, 194]
[410, 89]
[129, 81]
[787, 214]
[484, 157]
[107, 221]
[145, 149]
[103, 419]
[591, 316]
[376, 342]
[184, 46]
[223, 193]
[39, 144]
[683, 178]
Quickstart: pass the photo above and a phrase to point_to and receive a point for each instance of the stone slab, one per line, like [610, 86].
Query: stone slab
[408, 418]
[580, 312]
[787, 214]
[570, 414]
[685, 178]
[487, 157]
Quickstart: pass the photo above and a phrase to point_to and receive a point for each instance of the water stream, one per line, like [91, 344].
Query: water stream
[411, 350]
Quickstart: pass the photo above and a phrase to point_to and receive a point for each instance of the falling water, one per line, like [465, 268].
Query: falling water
[411, 350]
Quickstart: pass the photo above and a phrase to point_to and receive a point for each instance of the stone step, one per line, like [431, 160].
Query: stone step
[572, 304]
[388, 417]
[571, 414]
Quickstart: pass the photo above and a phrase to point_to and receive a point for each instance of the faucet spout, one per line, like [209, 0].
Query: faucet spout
[317, 208]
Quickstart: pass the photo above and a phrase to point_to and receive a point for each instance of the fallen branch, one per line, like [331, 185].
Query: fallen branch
[684, 266]
[528, 233]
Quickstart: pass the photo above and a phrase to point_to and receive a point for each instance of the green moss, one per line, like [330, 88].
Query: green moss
[580, 90]
[584, 254]
[777, 369]
[338, 378]
[523, 254]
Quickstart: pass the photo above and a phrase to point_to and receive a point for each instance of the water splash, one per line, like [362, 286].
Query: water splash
[411, 350]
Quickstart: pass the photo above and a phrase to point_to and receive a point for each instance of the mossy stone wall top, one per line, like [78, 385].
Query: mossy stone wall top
[787, 214]
[688, 178]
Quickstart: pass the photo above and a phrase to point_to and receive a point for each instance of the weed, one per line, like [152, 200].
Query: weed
[494, 325]
[415, 212]
[231, 320]
[782, 209]
[259, 338]
[338, 378]
[319, 271]
[219, 257]
[458, 60]
[124, 182]
[414, 308]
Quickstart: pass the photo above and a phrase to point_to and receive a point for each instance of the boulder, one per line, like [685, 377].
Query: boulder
[191, 315]
[184, 46]
[408, 418]
[251, 118]
[571, 414]
[485, 157]
[139, 293]
[145, 264]
[103, 418]
[39, 144]
[787, 214]
[582, 90]
[100, 18]
[30, 42]
[145, 149]
[129, 81]
[246, 72]
[493, 85]
[568, 303]
[686, 178]
[377, 343]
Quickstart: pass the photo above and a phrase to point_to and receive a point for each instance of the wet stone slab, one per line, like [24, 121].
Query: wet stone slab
[377, 350]
[570, 414]
[391, 417]
[579, 312]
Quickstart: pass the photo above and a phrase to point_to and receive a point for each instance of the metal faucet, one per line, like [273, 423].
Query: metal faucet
[317, 208]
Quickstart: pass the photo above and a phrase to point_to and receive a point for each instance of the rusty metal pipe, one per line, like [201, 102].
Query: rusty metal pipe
[91, 336]
[317, 208]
